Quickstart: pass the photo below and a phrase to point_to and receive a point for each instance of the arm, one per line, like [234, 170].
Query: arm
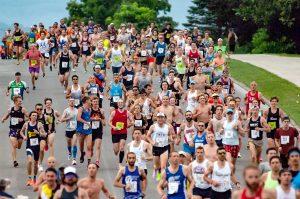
[5, 117]
[149, 155]
[105, 190]
[117, 182]
[187, 172]
[149, 138]
[160, 186]
[112, 115]
[233, 178]
[265, 125]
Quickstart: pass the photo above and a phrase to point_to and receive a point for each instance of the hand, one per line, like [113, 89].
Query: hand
[152, 142]
[257, 128]
[238, 185]
[163, 196]
[280, 149]
[25, 138]
[7, 93]
[2, 121]
[189, 195]
[215, 183]
[127, 187]
[115, 128]
[21, 120]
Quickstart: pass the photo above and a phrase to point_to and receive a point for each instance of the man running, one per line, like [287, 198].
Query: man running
[51, 163]
[43, 44]
[270, 179]
[210, 149]
[76, 91]
[17, 87]
[93, 185]
[115, 91]
[50, 186]
[17, 116]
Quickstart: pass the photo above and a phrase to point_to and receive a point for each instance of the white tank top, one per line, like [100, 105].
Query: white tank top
[191, 103]
[116, 58]
[222, 176]
[283, 195]
[160, 135]
[146, 110]
[76, 94]
[139, 152]
[198, 170]
[217, 126]
[189, 133]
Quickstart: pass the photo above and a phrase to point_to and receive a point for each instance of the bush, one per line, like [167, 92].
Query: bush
[261, 43]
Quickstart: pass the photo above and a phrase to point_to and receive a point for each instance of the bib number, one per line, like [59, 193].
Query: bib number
[284, 139]
[143, 53]
[95, 124]
[73, 124]
[34, 142]
[64, 64]
[94, 90]
[33, 62]
[73, 45]
[76, 102]
[138, 123]
[120, 125]
[229, 134]
[116, 98]
[173, 187]
[17, 91]
[14, 120]
[272, 125]
[254, 134]
[160, 50]
[86, 126]
[85, 48]
[129, 77]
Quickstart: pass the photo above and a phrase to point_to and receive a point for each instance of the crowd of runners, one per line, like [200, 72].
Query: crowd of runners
[189, 128]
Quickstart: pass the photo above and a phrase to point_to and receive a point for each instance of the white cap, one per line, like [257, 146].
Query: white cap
[182, 153]
[70, 170]
[160, 114]
[97, 66]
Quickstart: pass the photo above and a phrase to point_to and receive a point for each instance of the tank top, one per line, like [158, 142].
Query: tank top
[47, 192]
[32, 137]
[189, 133]
[176, 183]
[222, 176]
[270, 183]
[139, 123]
[93, 89]
[192, 102]
[160, 135]
[253, 134]
[146, 108]
[96, 125]
[50, 119]
[72, 123]
[180, 65]
[64, 62]
[69, 195]
[273, 120]
[82, 127]
[160, 49]
[130, 75]
[116, 91]
[17, 36]
[134, 179]
[85, 44]
[74, 42]
[15, 115]
[120, 121]
[143, 81]
[226, 85]
[250, 98]
[99, 57]
[194, 55]
[217, 126]
[230, 134]
[200, 140]
[283, 195]
[198, 170]
[76, 95]
[116, 57]
[139, 152]
[63, 40]
[207, 71]
[53, 41]
[258, 194]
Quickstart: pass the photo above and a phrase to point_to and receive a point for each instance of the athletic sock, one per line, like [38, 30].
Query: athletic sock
[69, 149]
[74, 152]
[121, 156]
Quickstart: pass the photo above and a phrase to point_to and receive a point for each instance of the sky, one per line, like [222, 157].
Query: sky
[29, 12]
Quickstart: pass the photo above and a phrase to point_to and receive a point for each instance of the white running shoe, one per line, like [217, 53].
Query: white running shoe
[40, 167]
[74, 162]
[74, 70]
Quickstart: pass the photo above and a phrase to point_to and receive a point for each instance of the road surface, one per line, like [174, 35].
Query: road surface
[50, 87]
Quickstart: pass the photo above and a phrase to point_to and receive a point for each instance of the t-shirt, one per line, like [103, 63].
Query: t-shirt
[43, 45]
[286, 138]
[264, 167]
[34, 58]
[17, 88]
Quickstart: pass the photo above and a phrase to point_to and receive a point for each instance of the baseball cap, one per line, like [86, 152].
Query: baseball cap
[70, 170]
[192, 82]
[286, 118]
[182, 153]
[97, 66]
[229, 110]
[160, 114]
[215, 95]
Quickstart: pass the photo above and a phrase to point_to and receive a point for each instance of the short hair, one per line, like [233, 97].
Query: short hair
[17, 74]
[38, 104]
[200, 147]
[220, 149]
[274, 157]
[85, 98]
[275, 97]
[293, 150]
[249, 167]
[47, 99]
[32, 112]
[130, 153]
[271, 149]
[75, 76]
[51, 170]
[16, 97]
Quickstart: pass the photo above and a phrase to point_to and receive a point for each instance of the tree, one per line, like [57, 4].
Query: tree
[132, 12]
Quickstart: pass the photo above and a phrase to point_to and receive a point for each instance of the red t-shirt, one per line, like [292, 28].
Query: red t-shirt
[286, 138]
[34, 58]
[120, 121]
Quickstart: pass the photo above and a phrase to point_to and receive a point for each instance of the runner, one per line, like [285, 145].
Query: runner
[270, 179]
[100, 77]
[130, 178]
[17, 115]
[34, 56]
[43, 44]
[210, 149]
[166, 109]
[53, 47]
[99, 56]
[174, 178]
[93, 185]
[222, 174]
[70, 117]
[115, 91]
[160, 52]
[50, 186]
[120, 120]
[70, 189]
[159, 136]
[127, 74]
[201, 189]
[251, 95]
[51, 163]
[17, 87]
[98, 122]
[18, 37]
[294, 161]
[31, 133]
[74, 46]
[140, 121]
[85, 45]
[264, 167]
[116, 56]
[76, 91]
[215, 125]
[203, 111]
[142, 79]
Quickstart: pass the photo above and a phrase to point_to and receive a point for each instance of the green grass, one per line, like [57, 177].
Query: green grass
[288, 55]
[269, 85]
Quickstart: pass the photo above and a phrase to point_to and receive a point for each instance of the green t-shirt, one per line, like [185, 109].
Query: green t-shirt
[17, 88]
[223, 48]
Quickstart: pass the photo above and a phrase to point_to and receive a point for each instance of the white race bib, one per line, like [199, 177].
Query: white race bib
[197, 144]
[160, 50]
[116, 98]
[86, 126]
[34, 141]
[101, 96]
[76, 102]
[254, 134]
[95, 124]
[85, 48]
[228, 134]
[284, 139]
[173, 187]
[17, 91]
[73, 124]
[138, 123]
[14, 120]
[64, 64]
[129, 78]
[94, 90]
[133, 186]
[73, 45]
[143, 53]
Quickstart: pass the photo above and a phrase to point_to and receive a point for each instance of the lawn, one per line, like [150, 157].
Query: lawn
[269, 85]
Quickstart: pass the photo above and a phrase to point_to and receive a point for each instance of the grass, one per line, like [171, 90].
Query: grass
[269, 85]
[288, 55]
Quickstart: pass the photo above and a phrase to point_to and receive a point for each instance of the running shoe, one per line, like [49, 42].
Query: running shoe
[33, 88]
[40, 166]
[50, 67]
[29, 182]
[97, 163]
[74, 70]
[239, 155]
[82, 157]
[74, 162]
[16, 164]
[69, 156]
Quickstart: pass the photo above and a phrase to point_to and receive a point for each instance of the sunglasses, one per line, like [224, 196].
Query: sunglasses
[74, 79]
[222, 153]
[201, 125]
[39, 109]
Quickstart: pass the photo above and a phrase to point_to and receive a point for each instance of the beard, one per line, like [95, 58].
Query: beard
[189, 119]
[131, 164]
[71, 183]
[253, 186]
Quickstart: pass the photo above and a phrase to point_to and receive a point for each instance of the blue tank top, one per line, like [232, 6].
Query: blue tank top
[93, 89]
[134, 179]
[100, 58]
[115, 90]
[176, 184]
[83, 128]
[200, 140]
[161, 49]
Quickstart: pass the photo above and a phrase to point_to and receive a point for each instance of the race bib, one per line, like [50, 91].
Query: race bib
[160, 50]
[120, 125]
[112, 37]
[284, 139]
[117, 59]
[47, 55]
[99, 60]
[101, 96]
[188, 137]
[64, 64]
[173, 187]
[31, 40]
[85, 48]
[17, 91]
[116, 98]
[229, 134]
[272, 125]
[254, 134]
[14, 120]
[76, 102]
[86, 126]
[95, 124]
[34, 141]
[133, 186]
[197, 144]
[129, 77]
[73, 45]
[33, 62]
[73, 124]
[143, 53]
[94, 90]
[138, 123]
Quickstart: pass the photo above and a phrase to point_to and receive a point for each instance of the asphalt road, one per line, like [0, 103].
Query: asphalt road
[50, 87]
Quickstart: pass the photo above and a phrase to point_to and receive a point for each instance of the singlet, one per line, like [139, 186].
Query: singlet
[180, 65]
[116, 57]
[17, 88]
[189, 132]
[85, 44]
[253, 134]
[226, 85]
[174, 90]
[50, 119]
[130, 75]
[217, 126]
[192, 102]
[99, 57]
[176, 183]
[72, 123]
[47, 192]
[270, 183]
[258, 194]
[62, 41]
[100, 80]
[93, 89]
[64, 62]
[146, 109]
[82, 127]
[17, 36]
[115, 91]
[161, 49]
[230, 134]
[43, 45]
[15, 115]
[198, 170]
[250, 98]
[69, 195]
[273, 120]
[32, 137]
[120, 121]
[209, 57]
[96, 125]
[139, 123]
[139, 152]
[53, 41]
[207, 71]
[160, 135]
[200, 140]
[194, 55]
[134, 179]
[76, 95]
[31, 38]
[74, 42]
[222, 176]
[143, 80]
[283, 195]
